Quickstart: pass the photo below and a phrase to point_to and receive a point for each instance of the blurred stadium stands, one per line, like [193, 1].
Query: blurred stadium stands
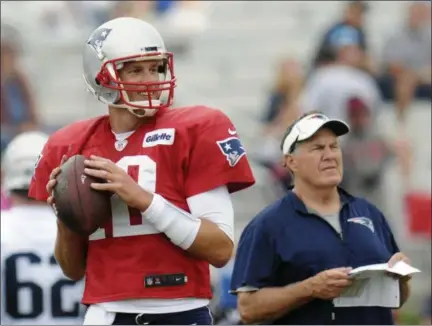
[230, 65]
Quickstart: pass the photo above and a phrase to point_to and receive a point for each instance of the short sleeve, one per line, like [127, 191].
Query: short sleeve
[256, 259]
[389, 238]
[217, 156]
[46, 162]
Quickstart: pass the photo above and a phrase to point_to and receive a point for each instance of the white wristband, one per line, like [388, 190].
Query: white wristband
[179, 226]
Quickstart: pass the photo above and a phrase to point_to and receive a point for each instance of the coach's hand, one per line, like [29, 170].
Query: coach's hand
[117, 181]
[52, 181]
[330, 284]
[397, 257]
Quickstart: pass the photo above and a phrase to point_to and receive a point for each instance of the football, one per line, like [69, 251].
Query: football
[81, 208]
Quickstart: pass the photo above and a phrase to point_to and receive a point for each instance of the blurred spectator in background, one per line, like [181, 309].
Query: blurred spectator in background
[97, 11]
[279, 113]
[4, 203]
[352, 22]
[225, 308]
[338, 78]
[285, 91]
[18, 112]
[407, 59]
[139, 9]
[365, 153]
[178, 21]
[146, 10]
[67, 20]
[183, 21]
[341, 89]
[163, 6]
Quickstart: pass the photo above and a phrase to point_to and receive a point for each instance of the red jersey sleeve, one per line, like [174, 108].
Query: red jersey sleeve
[217, 156]
[66, 141]
[47, 161]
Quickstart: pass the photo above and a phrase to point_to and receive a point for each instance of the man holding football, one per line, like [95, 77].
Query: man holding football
[171, 173]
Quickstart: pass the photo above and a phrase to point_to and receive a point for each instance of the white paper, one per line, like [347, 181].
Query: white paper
[372, 286]
[403, 269]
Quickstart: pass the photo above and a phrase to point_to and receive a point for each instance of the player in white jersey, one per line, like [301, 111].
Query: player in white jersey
[34, 290]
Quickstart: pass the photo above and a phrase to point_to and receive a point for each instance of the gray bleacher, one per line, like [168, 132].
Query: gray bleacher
[231, 67]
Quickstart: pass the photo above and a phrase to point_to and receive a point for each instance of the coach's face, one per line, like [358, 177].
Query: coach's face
[318, 160]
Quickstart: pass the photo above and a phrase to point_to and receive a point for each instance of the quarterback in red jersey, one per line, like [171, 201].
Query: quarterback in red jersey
[171, 172]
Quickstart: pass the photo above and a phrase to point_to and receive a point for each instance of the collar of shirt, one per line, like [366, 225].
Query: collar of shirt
[300, 207]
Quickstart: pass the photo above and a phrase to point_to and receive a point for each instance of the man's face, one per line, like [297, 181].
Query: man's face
[355, 14]
[351, 55]
[141, 72]
[419, 15]
[318, 161]
[359, 119]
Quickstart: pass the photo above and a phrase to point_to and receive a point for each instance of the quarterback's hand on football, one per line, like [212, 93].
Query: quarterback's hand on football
[117, 181]
[397, 257]
[52, 181]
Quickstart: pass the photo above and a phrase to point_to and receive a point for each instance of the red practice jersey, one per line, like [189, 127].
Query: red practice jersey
[181, 153]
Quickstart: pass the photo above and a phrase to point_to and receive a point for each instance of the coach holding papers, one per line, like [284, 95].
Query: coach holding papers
[294, 258]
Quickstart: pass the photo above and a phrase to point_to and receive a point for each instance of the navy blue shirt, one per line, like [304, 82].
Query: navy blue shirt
[286, 244]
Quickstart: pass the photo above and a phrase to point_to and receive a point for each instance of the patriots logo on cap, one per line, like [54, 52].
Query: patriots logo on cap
[317, 116]
[365, 221]
[97, 38]
[233, 150]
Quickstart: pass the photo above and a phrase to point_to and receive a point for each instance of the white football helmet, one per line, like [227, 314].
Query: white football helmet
[20, 158]
[122, 40]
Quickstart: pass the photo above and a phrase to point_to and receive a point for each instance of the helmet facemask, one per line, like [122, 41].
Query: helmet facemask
[158, 94]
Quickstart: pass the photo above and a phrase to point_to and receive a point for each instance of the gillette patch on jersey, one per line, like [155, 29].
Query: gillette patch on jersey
[159, 137]
[233, 149]
[152, 281]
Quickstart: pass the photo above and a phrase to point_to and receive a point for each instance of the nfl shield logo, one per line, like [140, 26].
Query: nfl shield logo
[232, 149]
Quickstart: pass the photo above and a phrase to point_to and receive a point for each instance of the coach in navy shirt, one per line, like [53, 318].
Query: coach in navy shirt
[293, 258]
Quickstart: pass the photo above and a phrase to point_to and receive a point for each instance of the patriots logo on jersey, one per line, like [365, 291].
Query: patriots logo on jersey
[233, 149]
[97, 38]
[363, 221]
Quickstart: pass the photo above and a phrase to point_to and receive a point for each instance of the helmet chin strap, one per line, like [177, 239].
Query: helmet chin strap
[140, 113]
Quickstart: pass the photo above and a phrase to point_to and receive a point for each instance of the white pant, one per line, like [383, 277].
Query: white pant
[97, 315]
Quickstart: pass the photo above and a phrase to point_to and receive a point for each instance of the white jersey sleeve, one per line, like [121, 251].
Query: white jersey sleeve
[216, 206]
[34, 290]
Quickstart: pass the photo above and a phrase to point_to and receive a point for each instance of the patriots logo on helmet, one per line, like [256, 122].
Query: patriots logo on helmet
[97, 38]
[365, 221]
[233, 149]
